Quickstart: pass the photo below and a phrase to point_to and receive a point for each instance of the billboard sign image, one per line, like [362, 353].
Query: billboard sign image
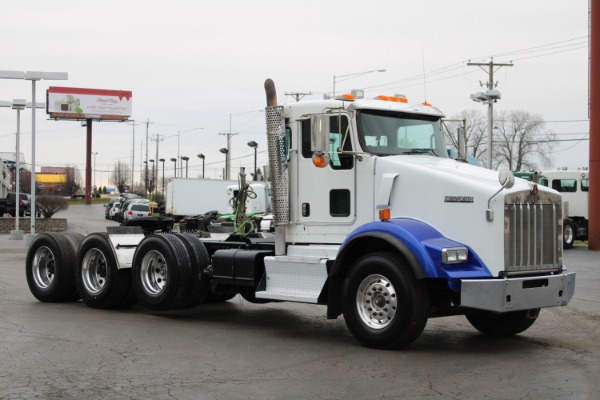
[80, 103]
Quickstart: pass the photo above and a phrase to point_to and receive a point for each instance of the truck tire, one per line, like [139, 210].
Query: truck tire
[199, 283]
[569, 230]
[161, 272]
[505, 324]
[51, 259]
[99, 281]
[384, 305]
[76, 239]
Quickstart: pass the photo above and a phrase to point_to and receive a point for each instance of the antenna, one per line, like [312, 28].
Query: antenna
[424, 74]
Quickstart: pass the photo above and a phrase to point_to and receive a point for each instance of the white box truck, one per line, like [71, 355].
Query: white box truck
[187, 196]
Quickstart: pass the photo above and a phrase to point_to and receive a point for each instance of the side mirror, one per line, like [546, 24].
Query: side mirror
[319, 133]
[506, 178]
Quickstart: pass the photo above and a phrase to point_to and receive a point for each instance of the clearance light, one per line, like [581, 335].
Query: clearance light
[385, 214]
[426, 104]
[320, 160]
[346, 96]
[396, 99]
[455, 255]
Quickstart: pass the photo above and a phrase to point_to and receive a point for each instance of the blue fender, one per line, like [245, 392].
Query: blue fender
[422, 245]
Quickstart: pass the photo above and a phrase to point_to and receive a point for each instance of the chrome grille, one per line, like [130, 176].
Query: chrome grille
[532, 233]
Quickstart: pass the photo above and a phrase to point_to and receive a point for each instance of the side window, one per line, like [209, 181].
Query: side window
[339, 202]
[564, 185]
[306, 153]
[338, 129]
[288, 142]
[585, 185]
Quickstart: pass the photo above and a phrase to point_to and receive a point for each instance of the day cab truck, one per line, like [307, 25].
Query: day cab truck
[573, 185]
[373, 221]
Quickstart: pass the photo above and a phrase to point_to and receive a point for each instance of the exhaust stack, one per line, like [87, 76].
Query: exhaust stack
[277, 150]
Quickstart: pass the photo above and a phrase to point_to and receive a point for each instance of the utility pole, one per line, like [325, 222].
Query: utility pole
[490, 86]
[155, 172]
[132, 123]
[228, 155]
[146, 162]
[298, 95]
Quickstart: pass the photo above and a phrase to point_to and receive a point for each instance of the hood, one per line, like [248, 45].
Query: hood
[436, 173]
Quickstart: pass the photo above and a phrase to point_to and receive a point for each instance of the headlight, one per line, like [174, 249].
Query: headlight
[455, 255]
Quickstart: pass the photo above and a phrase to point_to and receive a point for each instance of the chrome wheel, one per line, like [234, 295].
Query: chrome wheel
[153, 273]
[43, 267]
[568, 233]
[376, 301]
[93, 271]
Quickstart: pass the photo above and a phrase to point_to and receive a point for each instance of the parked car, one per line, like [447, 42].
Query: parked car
[137, 210]
[108, 207]
[115, 211]
[8, 205]
[125, 201]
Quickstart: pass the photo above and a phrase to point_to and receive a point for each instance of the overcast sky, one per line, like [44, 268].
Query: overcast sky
[196, 64]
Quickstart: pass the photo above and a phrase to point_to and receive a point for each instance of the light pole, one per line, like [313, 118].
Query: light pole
[178, 141]
[17, 104]
[186, 159]
[33, 76]
[201, 156]
[152, 179]
[95, 154]
[162, 160]
[145, 176]
[174, 166]
[226, 152]
[350, 76]
[254, 145]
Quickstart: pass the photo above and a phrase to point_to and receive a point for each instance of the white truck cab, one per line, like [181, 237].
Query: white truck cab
[573, 185]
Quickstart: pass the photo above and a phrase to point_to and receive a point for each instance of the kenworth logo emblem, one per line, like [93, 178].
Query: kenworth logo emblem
[458, 199]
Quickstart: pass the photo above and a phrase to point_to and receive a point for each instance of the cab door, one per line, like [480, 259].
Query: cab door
[327, 196]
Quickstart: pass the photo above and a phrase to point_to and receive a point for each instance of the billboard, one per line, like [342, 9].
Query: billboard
[79, 103]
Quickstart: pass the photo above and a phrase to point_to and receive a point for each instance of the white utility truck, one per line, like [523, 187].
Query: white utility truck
[573, 186]
[373, 221]
[189, 196]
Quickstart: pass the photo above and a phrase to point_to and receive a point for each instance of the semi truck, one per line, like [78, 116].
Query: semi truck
[373, 222]
[573, 185]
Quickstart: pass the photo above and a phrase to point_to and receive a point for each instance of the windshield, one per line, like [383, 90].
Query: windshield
[391, 133]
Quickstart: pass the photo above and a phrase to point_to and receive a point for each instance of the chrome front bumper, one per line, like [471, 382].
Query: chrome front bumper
[514, 294]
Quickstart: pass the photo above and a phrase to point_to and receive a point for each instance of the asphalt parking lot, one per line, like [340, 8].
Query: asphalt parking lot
[239, 350]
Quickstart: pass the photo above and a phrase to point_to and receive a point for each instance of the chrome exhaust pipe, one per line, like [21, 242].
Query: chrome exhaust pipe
[278, 176]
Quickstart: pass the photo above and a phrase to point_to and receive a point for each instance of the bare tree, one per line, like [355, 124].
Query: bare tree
[73, 181]
[120, 175]
[50, 205]
[149, 180]
[520, 140]
[475, 135]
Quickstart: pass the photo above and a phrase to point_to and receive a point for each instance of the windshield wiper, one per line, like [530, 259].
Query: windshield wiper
[421, 151]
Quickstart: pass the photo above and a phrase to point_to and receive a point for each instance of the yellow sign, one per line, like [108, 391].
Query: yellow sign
[50, 178]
